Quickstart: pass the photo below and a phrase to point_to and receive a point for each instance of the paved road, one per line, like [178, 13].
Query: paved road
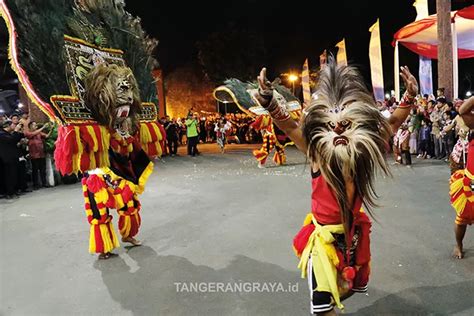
[218, 220]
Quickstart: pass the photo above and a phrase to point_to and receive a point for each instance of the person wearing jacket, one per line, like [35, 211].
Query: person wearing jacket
[9, 155]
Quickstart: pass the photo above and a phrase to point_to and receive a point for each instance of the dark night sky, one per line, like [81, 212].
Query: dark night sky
[293, 30]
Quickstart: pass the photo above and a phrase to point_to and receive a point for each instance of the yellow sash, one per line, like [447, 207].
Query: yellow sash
[323, 253]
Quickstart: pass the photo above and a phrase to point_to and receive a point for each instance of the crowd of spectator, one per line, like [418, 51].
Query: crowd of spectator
[24, 147]
[431, 130]
[201, 128]
[27, 147]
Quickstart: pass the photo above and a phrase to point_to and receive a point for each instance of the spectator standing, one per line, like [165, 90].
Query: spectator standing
[182, 132]
[24, 119]
[181, 129]
[414, 126]
[448, 133]
[52, 176]
[15, 119]
[172, 136]
[36, 138]
[424, 139]
[9, 155]
[24, 165]
[192, 134]
[436, 126]
[202, 130]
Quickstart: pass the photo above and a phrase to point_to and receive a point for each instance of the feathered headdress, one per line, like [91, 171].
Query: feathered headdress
[346, 135]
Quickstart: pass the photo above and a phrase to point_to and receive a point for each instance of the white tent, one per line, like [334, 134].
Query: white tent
[421, 37]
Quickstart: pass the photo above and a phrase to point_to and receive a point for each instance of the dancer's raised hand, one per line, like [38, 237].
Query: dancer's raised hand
[410, 81]
[265, 88]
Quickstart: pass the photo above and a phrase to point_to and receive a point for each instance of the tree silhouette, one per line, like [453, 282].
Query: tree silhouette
[232, 53]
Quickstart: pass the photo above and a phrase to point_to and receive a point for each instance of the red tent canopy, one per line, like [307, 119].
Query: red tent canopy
[421, 36]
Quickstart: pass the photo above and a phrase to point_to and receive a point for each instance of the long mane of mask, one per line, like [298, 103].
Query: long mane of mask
[101, 94]
[342, 95]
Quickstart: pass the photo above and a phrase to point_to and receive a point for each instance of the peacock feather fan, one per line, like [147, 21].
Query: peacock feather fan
[41, 26]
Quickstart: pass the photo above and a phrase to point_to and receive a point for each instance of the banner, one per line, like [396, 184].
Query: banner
[341, 56]
[323, 58]
[421, 9]
[375, 56]
[305, 84]
[424, 72]
[426, 82]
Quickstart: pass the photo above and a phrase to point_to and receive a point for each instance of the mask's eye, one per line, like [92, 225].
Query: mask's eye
[345, 123]
[331, 124]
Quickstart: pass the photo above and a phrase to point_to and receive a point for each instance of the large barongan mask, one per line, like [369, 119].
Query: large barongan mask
[346, 133]
[113, 97]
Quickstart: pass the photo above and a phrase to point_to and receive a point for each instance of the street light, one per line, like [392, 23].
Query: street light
[292, 78]
[468, 94]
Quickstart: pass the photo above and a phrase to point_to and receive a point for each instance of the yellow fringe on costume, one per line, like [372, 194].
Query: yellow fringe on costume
[109, 242]
[135, 188]
[279, 158]
[144, 178]
[459, 192]
[127, 225]
[323, 253]
[146, 139]
[106, 230]
[125, 231]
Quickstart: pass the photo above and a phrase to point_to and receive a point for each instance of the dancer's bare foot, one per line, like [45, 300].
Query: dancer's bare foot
[460, 231]
[106, 255]
[131, 240]
[457, 252]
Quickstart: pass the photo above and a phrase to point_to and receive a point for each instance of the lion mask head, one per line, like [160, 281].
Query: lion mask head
[112, 95]
[347, 134]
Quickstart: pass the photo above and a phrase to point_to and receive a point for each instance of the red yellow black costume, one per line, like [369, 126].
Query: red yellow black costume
[345, 137]
[339, 263]
[117, 187]
[462, 198]
[115, 169]
[271, 139]
[241, 94]
[105, 132]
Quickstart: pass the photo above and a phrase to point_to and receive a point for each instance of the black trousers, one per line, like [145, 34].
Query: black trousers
[407, 155]
[192, 145]
[173, 146]
[2, 177]
[423, 146]
[38, 167]
[22, 181]
[10, 177]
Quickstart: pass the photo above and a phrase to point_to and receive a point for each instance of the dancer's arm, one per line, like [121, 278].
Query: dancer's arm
[403, 110]
[280, 115]
[450, 126]
[466, 112]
